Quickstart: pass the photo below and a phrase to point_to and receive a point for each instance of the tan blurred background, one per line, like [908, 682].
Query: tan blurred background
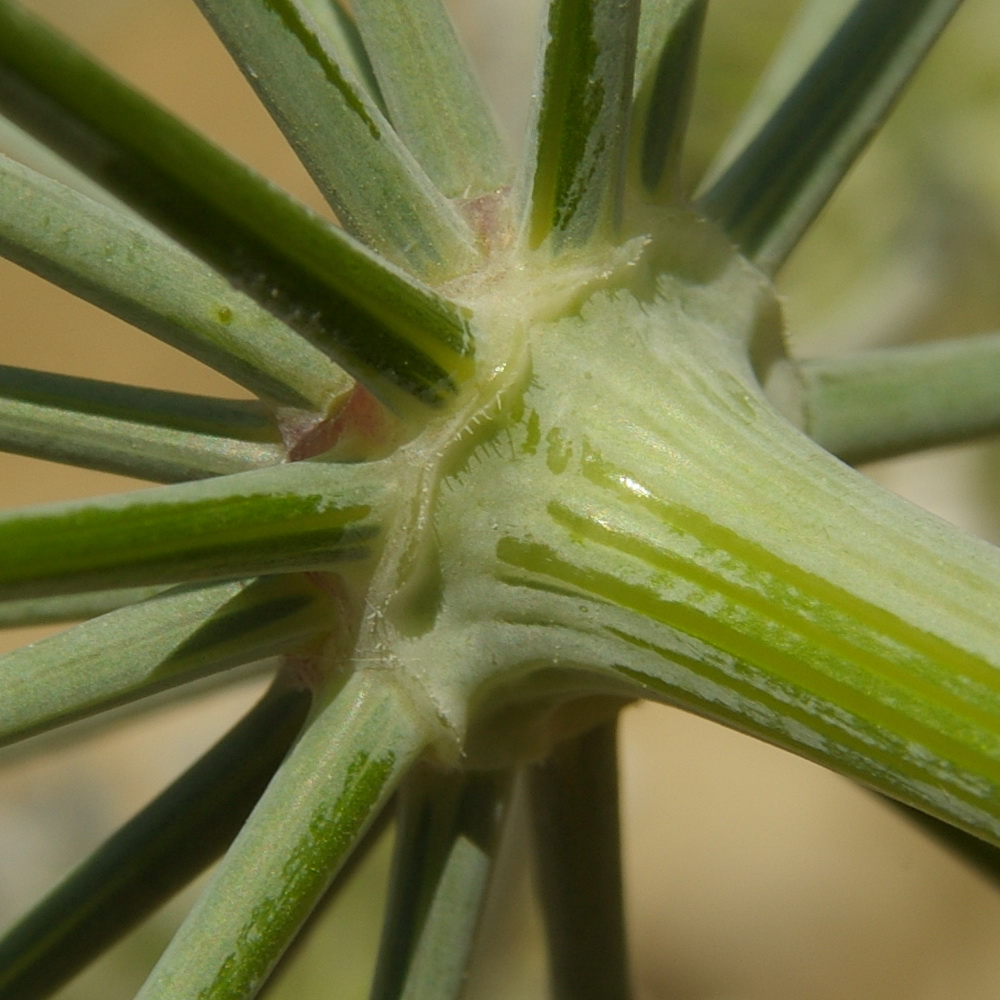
[752, 875]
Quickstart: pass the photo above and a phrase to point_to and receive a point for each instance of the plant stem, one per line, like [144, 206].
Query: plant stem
[167, 640]
[154, 855]
[447, 833]
[890, 402]
[772, 191]
[699, 548]
[574, 797]
[342, 771]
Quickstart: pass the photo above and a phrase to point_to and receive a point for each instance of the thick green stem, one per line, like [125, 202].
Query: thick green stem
[698, 548]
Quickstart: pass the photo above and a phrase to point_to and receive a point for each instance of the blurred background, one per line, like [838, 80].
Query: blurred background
[751, 875]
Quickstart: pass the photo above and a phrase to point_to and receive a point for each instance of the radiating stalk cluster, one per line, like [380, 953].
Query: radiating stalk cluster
[525, 446]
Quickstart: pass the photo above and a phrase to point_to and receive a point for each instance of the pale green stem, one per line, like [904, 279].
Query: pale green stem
[19, 145]
[170, 639]
[388, 330]
[574, 798]
[313, 928]
[579, 146]
[770, 194]
[342, 33]
[71, 607]
[448, 826]
[341, 773]
[126, 267]
[302, 516]
[814, 26]
[889, 402]
[435, 102]
[711, 555]
[365, 172]
[663, 100]
[154, 855]
[133, 430]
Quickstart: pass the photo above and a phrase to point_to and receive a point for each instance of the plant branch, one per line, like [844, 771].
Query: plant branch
[154, 855]
[890, 402]
[344, 39]
[574, 799]
[448, 828]
[70, 608]
[134, 431]
[434, 100]
[815, 23]
[353, 154]
[340, 774]
[729, 565]
[774, 189]
[313, 925]
[669, 42]
[167, 640]
[130, 270]
[294, 517]
[388, 330]
[579, 144]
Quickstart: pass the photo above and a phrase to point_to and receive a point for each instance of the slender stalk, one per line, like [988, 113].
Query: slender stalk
[167, 640]
[344, 38]
[295, 517]
[774, 189]
[815, 23]
[434, 100]
[127, 268]
[579, 139]
[71, 608]
[340, 774]
[663, 95]
[313, 924]
[446, 839]
[154, 855]
[890, 402]
[131, 430]
[364, 171]
[574, 799]
[387, 329]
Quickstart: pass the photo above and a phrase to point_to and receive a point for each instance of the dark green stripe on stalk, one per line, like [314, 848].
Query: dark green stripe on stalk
[663, 102]
[581, 129]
